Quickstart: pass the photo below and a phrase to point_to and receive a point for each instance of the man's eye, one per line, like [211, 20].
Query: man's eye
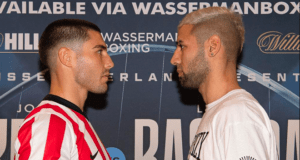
[181, 46]
[100, 51]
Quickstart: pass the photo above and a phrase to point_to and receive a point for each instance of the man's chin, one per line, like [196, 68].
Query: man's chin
[100, 90]
[187, 84]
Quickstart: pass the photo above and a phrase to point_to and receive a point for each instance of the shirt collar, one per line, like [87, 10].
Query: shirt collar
[64, 102]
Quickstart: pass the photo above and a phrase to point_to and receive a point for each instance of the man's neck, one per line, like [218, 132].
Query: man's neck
[69, 92]
[215, 87]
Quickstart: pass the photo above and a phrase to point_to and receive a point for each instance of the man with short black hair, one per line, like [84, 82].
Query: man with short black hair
[234, 126]
[76, 55]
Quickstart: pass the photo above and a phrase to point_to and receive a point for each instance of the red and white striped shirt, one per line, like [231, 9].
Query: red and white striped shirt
[58, 129]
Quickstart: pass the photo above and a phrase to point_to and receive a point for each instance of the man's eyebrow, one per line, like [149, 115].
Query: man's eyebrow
[100, 46]
[179, 42]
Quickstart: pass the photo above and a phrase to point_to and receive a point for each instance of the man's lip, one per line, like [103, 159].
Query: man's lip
[179, 71]
[106, 75]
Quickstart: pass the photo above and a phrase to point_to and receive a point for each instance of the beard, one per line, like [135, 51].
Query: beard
[198, 70]
[87, 78]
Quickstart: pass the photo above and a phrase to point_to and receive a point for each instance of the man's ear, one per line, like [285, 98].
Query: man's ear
[214, 45]
[65, 56]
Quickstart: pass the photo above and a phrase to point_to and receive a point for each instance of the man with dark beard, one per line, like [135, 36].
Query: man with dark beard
[234, 125]
[76, 55]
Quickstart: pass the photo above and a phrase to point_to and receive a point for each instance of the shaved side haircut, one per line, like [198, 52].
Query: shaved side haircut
[67, 32]
[218, 21]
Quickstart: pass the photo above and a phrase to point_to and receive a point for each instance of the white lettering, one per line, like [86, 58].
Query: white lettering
[58, 8]
[192, 6]
[25, 76]
[31, 11]
[281, 77]
[285, 5]
[100, 9]
[13, 7]
[3, 135]
[141, 7]
[167, 77]
[276, 129]
[12, 41]
[248, 6]
[68, 8]
[266, 8]
[44, 7]
[204, 5]
[152, 77]
[40, 77]
[20, 41]
[145, 48]
[139, 139]
[110, 77]
[28, 46]
[296, 76]
[170, 6]
[173, 134]
[236, 7]
[15, 126]
[251, 77]
[158, 9]
[238, 76]
[292, 139]
[266, 77]
[11, 76]
[3, 4]
[124, 76]
[136, 78]
[80, 8]
[181, 8]
[31, 107]
[296, 8]
[121, 10]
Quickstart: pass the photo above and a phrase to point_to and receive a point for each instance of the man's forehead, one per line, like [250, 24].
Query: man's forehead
[185, 29]
[94, 34]
[95, 37]
[184, 32]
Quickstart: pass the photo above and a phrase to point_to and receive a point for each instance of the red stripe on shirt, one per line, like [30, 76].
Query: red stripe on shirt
[89, 129]
[55, 137]
[82, 146]
[24, 137]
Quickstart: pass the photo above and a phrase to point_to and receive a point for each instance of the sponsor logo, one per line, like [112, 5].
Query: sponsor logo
[116, 154]
[94, 156]
[19, 42]
[274, 42]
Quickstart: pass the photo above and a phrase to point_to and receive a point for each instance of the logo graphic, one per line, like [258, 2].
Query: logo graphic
[274, 42]
[19, 42]
[94, 156]
[197, 145]
[247, 158]
[116, 154]
[1, 39]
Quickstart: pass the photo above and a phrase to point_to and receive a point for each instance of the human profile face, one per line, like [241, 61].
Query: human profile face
[189, 58]
[93, 64]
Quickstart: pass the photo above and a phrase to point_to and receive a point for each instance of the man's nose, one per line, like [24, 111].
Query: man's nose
[109, 63]
[176, 59]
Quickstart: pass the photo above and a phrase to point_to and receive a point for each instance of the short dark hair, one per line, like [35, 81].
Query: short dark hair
[61, 31]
